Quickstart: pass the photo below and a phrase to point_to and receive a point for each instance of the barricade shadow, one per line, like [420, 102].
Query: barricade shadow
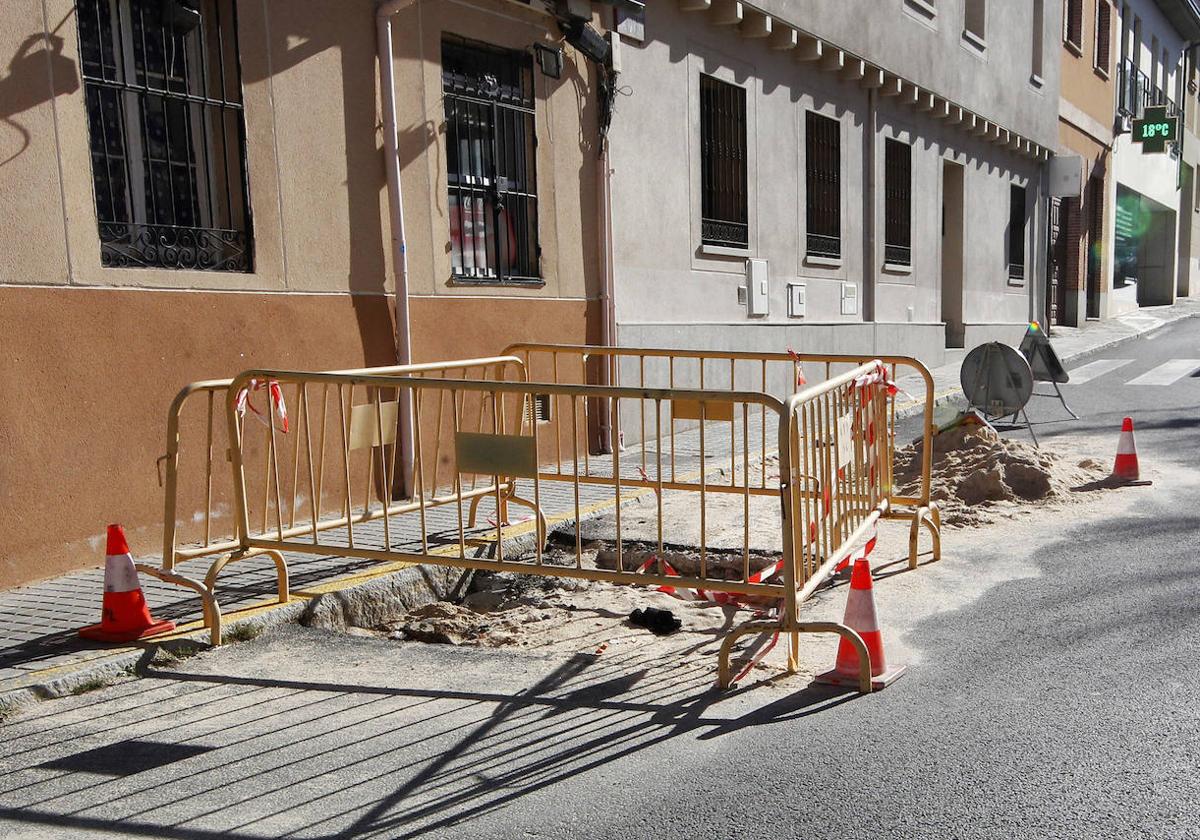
[401, 761]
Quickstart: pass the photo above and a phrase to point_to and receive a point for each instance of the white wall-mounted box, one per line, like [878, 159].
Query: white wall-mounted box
[757, 288]
[796, 299]
[849, 299]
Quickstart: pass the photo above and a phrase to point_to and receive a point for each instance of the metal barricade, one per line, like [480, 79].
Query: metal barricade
[199, 518]
[480, 442]
[779, 374]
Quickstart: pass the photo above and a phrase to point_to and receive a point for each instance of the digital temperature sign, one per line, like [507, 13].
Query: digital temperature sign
[1155, 129]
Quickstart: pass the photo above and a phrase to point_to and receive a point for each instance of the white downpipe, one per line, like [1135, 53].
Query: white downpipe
[383, 25]
[608, 317]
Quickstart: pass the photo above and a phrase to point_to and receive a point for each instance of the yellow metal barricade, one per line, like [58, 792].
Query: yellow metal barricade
[779, 374]
[199, 519]
[504, 442]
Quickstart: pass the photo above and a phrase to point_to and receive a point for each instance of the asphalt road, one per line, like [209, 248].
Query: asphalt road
[1060, 705]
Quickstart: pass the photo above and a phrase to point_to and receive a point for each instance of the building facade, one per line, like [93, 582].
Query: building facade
[191, 189]
[833, 180]
[1080, 269]
[1154, 205]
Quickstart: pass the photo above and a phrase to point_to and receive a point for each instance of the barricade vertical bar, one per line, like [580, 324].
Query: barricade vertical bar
[496, 478]
[615, 425]
[703, 484]
[321, 457]
[296, 457]
[575, 477]
[312, 478]
[732, 431]
[346, 460]
[419, 466]
[207, 474]
[810, 523]
[537, 486]
[587, 422]
[234, 432]
[558, 460]
[671, 420]
[642, 407]
[266, 508]
[746, 491]
[273, 458]
[437, 438]
[462, 539]
[658, 475]
[383, 471]
[763, 431]
[789, 565]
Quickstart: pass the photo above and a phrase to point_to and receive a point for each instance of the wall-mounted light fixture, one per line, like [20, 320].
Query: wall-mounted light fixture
[549, 59]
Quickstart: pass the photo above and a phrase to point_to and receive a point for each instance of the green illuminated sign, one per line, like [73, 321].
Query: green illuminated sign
[1155, 129]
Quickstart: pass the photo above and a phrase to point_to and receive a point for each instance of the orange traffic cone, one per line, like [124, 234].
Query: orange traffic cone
[1125, 468]
[860, 617]
[124, 616]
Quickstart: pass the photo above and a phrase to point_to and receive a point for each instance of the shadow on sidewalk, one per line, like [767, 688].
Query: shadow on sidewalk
[329, 759]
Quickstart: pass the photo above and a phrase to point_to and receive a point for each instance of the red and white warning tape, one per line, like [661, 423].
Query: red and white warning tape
[278, 406]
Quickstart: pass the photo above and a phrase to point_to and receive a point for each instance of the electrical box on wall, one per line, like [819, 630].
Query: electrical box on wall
[757, 288]
[849, 299]
[796, 300]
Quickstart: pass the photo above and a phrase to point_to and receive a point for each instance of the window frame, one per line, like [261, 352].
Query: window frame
[976, 38]
[822, 180]
[515, 260]
[1073, 39]
[1102, 42]
[724, 208]
[1017, 234]
[162, 212]
[897, 251]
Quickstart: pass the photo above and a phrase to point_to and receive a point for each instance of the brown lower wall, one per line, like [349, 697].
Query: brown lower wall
[88, 375]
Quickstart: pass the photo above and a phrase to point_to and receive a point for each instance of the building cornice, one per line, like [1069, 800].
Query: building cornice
[778, 34]
[1075, 116]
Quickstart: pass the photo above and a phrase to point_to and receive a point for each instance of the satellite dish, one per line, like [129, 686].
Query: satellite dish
[996, 379]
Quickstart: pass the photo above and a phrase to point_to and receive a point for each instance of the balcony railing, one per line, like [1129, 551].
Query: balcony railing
[1136, 93]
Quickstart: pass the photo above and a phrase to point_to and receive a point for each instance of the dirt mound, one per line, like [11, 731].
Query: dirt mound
[978, 475]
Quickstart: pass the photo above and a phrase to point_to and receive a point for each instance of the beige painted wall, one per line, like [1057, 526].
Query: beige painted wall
[97, 354]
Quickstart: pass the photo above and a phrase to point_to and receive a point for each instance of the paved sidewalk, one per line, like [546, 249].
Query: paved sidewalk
[41, 655]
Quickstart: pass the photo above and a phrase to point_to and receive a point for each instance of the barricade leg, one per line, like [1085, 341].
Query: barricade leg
[923, 516]
[864, 657]
[281, 570]
[208, 601]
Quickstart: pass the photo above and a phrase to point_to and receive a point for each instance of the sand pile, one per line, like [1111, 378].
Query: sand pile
[979, 476]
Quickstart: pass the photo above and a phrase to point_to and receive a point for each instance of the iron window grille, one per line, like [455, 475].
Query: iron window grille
[823, 181]
[723, 199]
[162, 86]
[1016, 233]
[491, 150]
[897, 210]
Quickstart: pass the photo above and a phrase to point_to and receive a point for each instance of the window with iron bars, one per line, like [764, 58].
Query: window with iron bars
[897, 207]
[491, 150]
[1016, 232]
[723, 199]
[163, 92]
[823, 182]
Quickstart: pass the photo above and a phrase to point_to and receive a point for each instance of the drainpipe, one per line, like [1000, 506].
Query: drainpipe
[869, 264]
[383, 25]
[608, 317]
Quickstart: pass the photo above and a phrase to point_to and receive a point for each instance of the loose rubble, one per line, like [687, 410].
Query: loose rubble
[979, 476]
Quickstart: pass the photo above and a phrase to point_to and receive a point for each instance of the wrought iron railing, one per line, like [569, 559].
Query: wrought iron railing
[897, 254]
[824, 246]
